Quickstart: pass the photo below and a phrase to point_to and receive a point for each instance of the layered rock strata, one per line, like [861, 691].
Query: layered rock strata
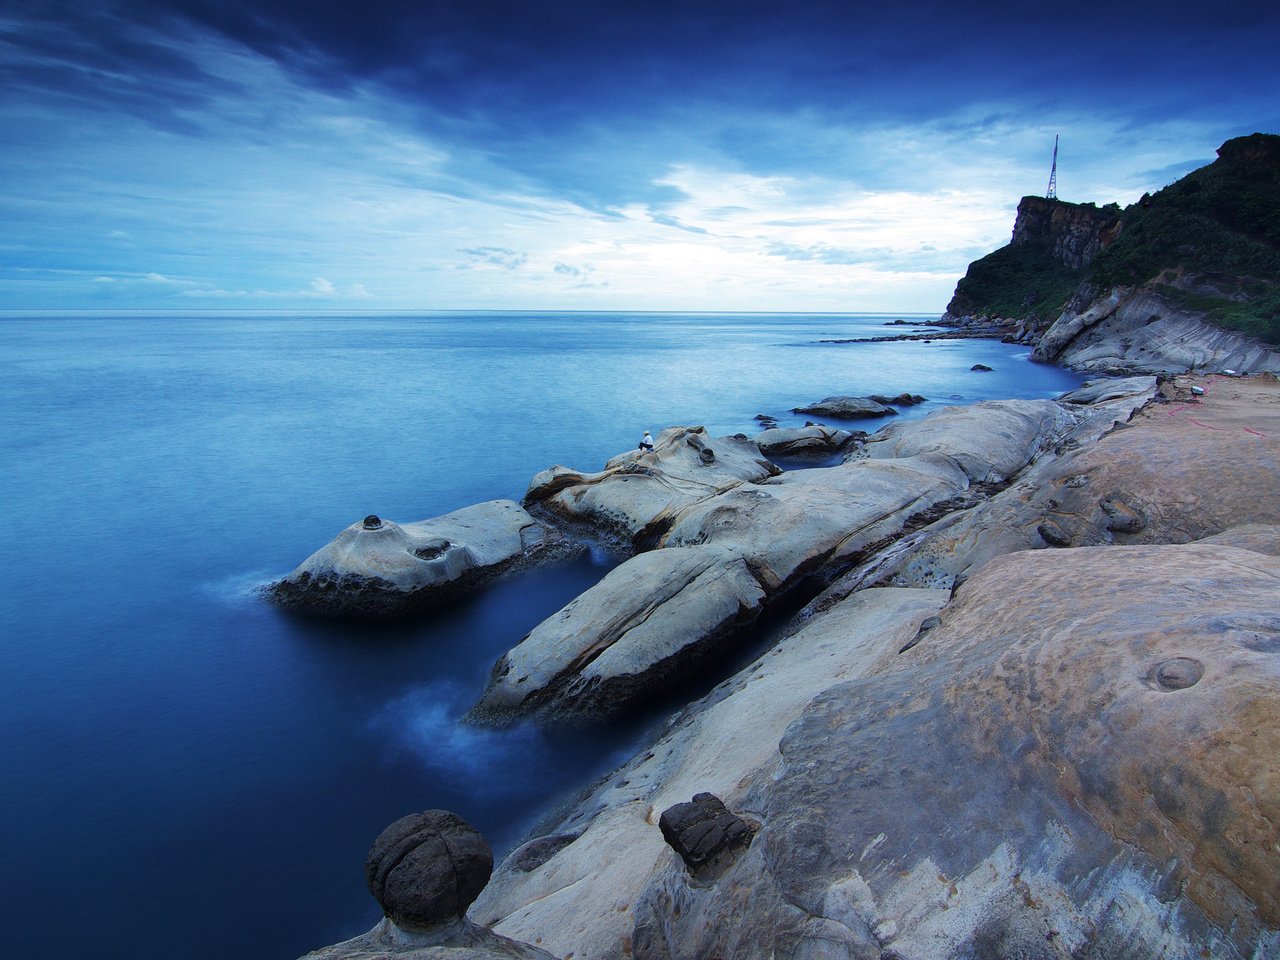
[1139, 330]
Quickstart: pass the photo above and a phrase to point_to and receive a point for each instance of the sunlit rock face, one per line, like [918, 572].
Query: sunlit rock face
[377, 567]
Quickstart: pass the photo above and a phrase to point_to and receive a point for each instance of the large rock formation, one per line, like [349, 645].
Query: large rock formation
[1070, 233]
[1050, 773]
[637, 489]
[1142, 330]
[725, 558]
[580, 898]
[1187, 278]
[1178, 471]
[376, 567]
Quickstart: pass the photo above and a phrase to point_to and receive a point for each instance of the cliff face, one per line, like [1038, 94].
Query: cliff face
[1206, 247]
[1069, 233]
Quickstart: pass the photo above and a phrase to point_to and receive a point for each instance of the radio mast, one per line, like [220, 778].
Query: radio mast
[1052, 193]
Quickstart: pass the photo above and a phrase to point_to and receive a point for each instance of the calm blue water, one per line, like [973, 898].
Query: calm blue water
[187, 772]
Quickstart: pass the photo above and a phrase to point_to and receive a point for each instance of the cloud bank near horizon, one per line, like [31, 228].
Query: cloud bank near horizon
[806, 156]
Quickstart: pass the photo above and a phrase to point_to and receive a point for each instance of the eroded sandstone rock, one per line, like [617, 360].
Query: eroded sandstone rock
[815, 440]
[377, 567]
[638, 490]
[1049, 773]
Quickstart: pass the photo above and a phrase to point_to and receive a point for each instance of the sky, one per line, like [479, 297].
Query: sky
[575, 155]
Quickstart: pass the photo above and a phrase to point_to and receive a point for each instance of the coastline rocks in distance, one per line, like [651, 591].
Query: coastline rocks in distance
[1101, 721]
[848, 408]
[813, 440]
[425, 870]
[1137, 330]
[378, 568]
[637, 491]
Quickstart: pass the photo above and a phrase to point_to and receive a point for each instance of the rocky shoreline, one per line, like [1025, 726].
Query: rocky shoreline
[1031, 712]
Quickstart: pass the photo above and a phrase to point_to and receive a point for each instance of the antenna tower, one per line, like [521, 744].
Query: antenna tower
[1052, 193]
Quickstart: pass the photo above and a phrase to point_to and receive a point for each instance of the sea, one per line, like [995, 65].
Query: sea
[188, 772]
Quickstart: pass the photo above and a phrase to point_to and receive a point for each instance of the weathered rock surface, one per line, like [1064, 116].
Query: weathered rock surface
[1139, 331]
[637, 489]
[1049, 773]
[1258, 537]
[1105, 389]
[461, 940]
[849, 408]
[814, 440]
[1178, 472]
[652, 620]
[806, 519]
[580, 900]
[641, 628]
[377, 567]
[989, 441]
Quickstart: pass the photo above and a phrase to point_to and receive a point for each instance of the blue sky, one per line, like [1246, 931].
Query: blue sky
[756, 155]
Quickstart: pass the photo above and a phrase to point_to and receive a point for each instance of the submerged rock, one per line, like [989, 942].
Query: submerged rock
[377, 567]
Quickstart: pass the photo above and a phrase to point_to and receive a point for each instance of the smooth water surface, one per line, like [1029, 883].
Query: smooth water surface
[190, 773]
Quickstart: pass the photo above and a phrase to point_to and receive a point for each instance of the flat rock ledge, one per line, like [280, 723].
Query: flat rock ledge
[379, 568]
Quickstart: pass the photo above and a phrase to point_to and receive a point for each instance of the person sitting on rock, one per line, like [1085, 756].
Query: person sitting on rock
[646, 442]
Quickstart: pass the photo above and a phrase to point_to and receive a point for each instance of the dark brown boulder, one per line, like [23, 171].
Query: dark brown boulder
[426, 868]
[705, 834]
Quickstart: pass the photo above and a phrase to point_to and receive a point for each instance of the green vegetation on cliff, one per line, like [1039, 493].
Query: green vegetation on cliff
[1015, 281]
[1209, 242]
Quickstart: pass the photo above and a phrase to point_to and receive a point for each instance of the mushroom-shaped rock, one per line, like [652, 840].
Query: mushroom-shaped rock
[638, 491]
[848, 408]
[426, 868]
[705, 834]
[377, 567]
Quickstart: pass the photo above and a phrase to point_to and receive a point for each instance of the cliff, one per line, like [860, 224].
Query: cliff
[1204, 251]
